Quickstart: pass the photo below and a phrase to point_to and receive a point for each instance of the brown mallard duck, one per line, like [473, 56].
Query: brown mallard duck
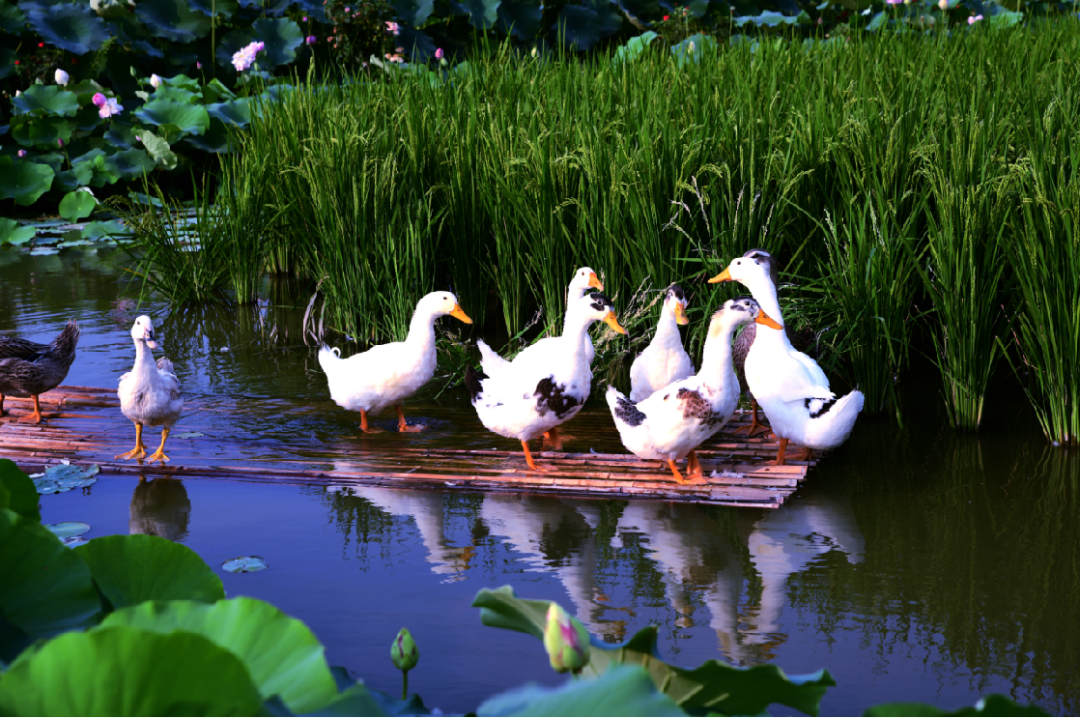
[802, 340]
[30, 369]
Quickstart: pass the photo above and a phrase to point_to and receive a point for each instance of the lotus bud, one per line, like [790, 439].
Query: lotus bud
[404, 653]
[61, 77]
[943, 5]
[22, 153]
[59, 143]
[99, 99]
[155, 81]
[438, 53]
[311, 40]
[690, 48]
[566, 641]
[198, 65]
[534, 53]
[305, 18]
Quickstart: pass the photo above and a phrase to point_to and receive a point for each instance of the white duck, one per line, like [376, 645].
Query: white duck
[664, 361]
[532, 397]
[149, 393]
[388, 374]
[584, 278]
[675, 420]
[789, 386]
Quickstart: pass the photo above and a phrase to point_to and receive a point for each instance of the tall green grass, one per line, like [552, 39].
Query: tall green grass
[890, 176]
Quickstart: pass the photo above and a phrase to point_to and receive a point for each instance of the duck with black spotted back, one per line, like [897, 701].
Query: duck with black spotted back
[532, 397]
[672, 422]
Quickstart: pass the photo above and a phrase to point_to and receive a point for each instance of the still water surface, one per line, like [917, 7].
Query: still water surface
[916, 564]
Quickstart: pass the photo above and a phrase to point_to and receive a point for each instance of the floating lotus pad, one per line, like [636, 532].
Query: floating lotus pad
[23, 181]
[244, 564]
[65, 477]
[71, 27]
[69, 529]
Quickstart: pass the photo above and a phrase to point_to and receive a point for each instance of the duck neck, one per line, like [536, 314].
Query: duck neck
[716, 368]
[667, 329]
[764, 292]
[573, 296]
[144, 360]
[576, 330]
[422, 331]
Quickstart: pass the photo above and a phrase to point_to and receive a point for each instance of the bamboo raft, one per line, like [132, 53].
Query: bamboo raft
[84, 426]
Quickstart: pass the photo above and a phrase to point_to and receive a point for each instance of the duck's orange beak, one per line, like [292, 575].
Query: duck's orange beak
[724, 276]
[763, 318]
[680, 314]
[612, 322]
[594, 281]
[459, 313]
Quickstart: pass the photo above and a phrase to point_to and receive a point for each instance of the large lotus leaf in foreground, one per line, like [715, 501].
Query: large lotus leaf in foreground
[46, 100]
[72, 27]
[17, 491]
[713, 686]
[124, 671]
[282, 654]
[132, 569]
[23, 181]
[188, 118]
[130, 163]
[12, 18]
[992, 705]
[11, 232]
[172, 19]
[46, 588]
[622, 691]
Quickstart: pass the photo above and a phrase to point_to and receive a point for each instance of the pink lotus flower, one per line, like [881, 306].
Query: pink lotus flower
[22, 153]
[438, 54]
[393, 28]
[311, 40]
[198, 65]
[974, 19]
[59, 143]
[110, 108]
[244, 58]
[98, 99]
[305, 18]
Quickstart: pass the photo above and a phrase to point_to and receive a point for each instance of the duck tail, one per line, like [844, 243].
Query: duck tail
[165, 364]
[67, 339]
[831, 425]
[473, 381]
[489, 361]
[624, 411]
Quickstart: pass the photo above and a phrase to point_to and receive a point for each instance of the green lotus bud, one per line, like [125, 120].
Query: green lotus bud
[566, 641]
[404, 653]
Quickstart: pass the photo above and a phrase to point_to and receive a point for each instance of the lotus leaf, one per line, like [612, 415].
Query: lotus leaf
[282, 655]
[178, 673]
[582, 26]
[314, 9]
[72, 27]
[482, 13]
[622, 691]
[215, 8]
[702, 46]
[130, 163]
[87, 118]
[18, 490]
[697, 8]
[646, 8]
[7, 64]
[269, 8]
[992, 705]
[11, 232]
[357, 700]
[53, 159]
[132, 569]
[65, 477]
[46, 100]
[172, 19]
[100, 175]
[159, 149]
[70, 529]
[188, 118]
[767, 18]
[12, 18]
[76, 205]
[634, 47]
[522, 18]
[215, 91]
[281, 36]
[30, 130]
[179, 94]
[77, 176]
[413, 12]
[713, 686]
[46, 588]
[244, 564]
[110, 229]
[234, 112]
[121, 136]
[23, 181]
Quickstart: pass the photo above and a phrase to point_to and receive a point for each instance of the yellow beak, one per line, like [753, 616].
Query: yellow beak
[594, 281]
[724, 276]
[680, 314]
[459, 313]
[612, 322]
[763, 318]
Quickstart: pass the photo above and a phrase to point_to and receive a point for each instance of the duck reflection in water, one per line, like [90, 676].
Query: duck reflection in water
[160, 508]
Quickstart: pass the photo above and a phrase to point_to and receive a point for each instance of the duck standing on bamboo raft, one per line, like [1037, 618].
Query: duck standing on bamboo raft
[673, 421]
[537, 393]
[492, 364]
[788, 385]
[149, 393]
[388, 374]
[664, 361]
[31, 369]
[801, 340]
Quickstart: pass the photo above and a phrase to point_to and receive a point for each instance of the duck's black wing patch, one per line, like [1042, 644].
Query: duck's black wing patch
[551, 397]
[628, 412]
[695, 407]
[817, 410]
[472, 382]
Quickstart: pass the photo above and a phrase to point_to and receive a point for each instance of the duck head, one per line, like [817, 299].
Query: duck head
[438, 304]
[675, 301]
[737, 312]
[756, 274]
[583, 279]
[597, 308]
[143, 331]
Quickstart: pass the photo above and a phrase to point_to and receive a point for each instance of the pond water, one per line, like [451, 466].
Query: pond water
[916, 564]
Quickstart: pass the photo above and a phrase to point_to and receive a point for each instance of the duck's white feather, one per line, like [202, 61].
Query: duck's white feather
[150, 393]
[663, 362]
